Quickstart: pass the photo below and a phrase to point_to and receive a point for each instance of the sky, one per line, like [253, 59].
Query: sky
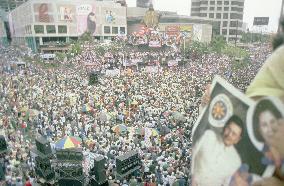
[253, 8]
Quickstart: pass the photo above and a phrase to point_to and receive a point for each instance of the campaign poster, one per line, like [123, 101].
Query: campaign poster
[223, 153]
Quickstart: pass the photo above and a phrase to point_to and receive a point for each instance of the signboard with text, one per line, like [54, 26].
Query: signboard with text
[260, 21]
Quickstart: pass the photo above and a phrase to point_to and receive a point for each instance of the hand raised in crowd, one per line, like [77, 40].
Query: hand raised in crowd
[272, 181]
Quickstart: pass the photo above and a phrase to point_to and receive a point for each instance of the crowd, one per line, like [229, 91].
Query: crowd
[59, 102]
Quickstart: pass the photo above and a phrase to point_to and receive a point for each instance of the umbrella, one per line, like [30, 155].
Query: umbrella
[119, 129]
[68, 142]
[155, 132]
[86, 108]
[140, 131]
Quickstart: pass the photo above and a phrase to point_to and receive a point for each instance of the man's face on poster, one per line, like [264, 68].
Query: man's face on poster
[232, 134]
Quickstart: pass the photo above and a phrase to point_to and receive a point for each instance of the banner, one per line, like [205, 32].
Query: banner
[112, 73]
[152, 69]
[129, 63]
[155, 44]
[172, 63]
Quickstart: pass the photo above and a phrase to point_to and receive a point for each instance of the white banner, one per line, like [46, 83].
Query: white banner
[47, 56]
[172, 63]
[112, 73]
[153, 69]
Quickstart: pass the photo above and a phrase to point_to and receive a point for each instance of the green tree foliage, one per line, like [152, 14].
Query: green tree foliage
[249, 37]
[86, 37]
[217, 44]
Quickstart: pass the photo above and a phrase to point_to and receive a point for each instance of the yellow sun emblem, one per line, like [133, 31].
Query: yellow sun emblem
[219, 110]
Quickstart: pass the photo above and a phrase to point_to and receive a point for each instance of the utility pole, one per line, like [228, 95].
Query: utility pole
[281, 16]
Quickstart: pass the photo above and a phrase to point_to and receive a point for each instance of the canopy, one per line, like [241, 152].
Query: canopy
[68, 142]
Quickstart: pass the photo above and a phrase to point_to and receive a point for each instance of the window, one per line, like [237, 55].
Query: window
[218, 15]
[203, 15]
[225, 16]
[226, 8]
[224, 31]
[226, 2]
[237, 9]
[195, 9]
[219, 8]
[233, 24]
[114, 30]
[203, 8]
[212, 8]
[212, 2]
[237, 3]
[219, 2]
[211, 15]
[50, 29]
[232, 32]
[122, 30]
[195, 3]
[204, 2]
[236, 16]
[62, 29]
[39, 29]
[225, 23]
[107, 29]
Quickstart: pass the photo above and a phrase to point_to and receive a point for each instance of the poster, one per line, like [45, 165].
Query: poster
[223, 152]
[43, 12]
[110, 17]
[66, 13]
[86, 19]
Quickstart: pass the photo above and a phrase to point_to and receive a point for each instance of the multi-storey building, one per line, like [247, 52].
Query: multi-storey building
[143, 3]
[38, 23]
[227, 16]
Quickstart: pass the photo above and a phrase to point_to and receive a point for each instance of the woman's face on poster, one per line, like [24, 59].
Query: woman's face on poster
[267, 124]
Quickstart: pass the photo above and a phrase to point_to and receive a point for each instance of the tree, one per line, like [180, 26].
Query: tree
[218, 43]
[86, 37]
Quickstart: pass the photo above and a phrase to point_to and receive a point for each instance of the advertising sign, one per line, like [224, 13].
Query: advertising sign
[42, 12]
[86, 19]
[260, 21]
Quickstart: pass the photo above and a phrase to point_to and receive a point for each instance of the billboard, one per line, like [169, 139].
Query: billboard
[86, 19]
[260, 21]
[173, 30]
[66, 13]
[110, 17]
[43, 12]
[143, 3]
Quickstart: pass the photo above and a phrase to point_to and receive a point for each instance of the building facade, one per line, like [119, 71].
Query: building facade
[39, 22]
[227, 16]
[143, 3]
[195, 29]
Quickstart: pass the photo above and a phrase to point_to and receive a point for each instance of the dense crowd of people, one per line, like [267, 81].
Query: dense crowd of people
[59, 102]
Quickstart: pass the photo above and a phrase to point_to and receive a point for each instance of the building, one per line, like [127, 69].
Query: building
[227, 16]
[143, 3]
[196, 29]
[41, 23]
